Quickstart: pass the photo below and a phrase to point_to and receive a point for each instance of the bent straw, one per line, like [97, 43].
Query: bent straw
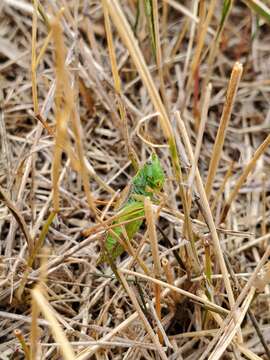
[225, 117]
[250, 166]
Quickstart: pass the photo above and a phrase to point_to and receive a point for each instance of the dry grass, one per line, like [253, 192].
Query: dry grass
[88, 90]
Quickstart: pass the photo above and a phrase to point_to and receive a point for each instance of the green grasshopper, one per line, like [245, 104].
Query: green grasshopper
[148, 181]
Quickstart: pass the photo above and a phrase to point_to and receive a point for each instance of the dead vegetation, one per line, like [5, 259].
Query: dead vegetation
[88, 89]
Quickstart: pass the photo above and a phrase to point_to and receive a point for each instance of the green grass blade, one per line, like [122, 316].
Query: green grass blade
[227, 4]
[148, 7]
[259, 8]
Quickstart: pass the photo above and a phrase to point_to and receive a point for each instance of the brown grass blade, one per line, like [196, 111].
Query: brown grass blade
[249, 167]
[149, 216]
[57, 332]
[20, 220]
[226, 114]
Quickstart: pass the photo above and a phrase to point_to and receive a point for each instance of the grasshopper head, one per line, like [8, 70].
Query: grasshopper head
[151, 176]
[155, 176]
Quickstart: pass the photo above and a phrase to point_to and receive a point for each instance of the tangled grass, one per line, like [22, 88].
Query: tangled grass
[88, 91]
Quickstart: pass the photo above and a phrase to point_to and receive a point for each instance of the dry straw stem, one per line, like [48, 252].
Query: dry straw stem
[20, 220]
[111, 50]
[159, 325]
[164, 20]
[263, 278]
[200, 43]
[226, 114]
[149, 216]
[88, 352]
[207, 212]
[260, 285]
[222, 186]
[249, 167]
[66, 109]
[170, 278]
[19, 199]
[44, 47]
[185, 293]
[176, 5]
[127, 36]
[32, 256]
[24, 346]
[4, 144]
[63, 102]
[158, 51]
[231, 328]
[57, 332]
[264, 205]
[195, 334]
[222, 333]
[117, 86]
[34, 58]
[147, 326]
[180, 38]
[21, 5]
[83, 170]
[227, 5]
[249, 354]
[250, 244]
[34, 333]
[192, 31]
[99, 180]
[199, 137]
